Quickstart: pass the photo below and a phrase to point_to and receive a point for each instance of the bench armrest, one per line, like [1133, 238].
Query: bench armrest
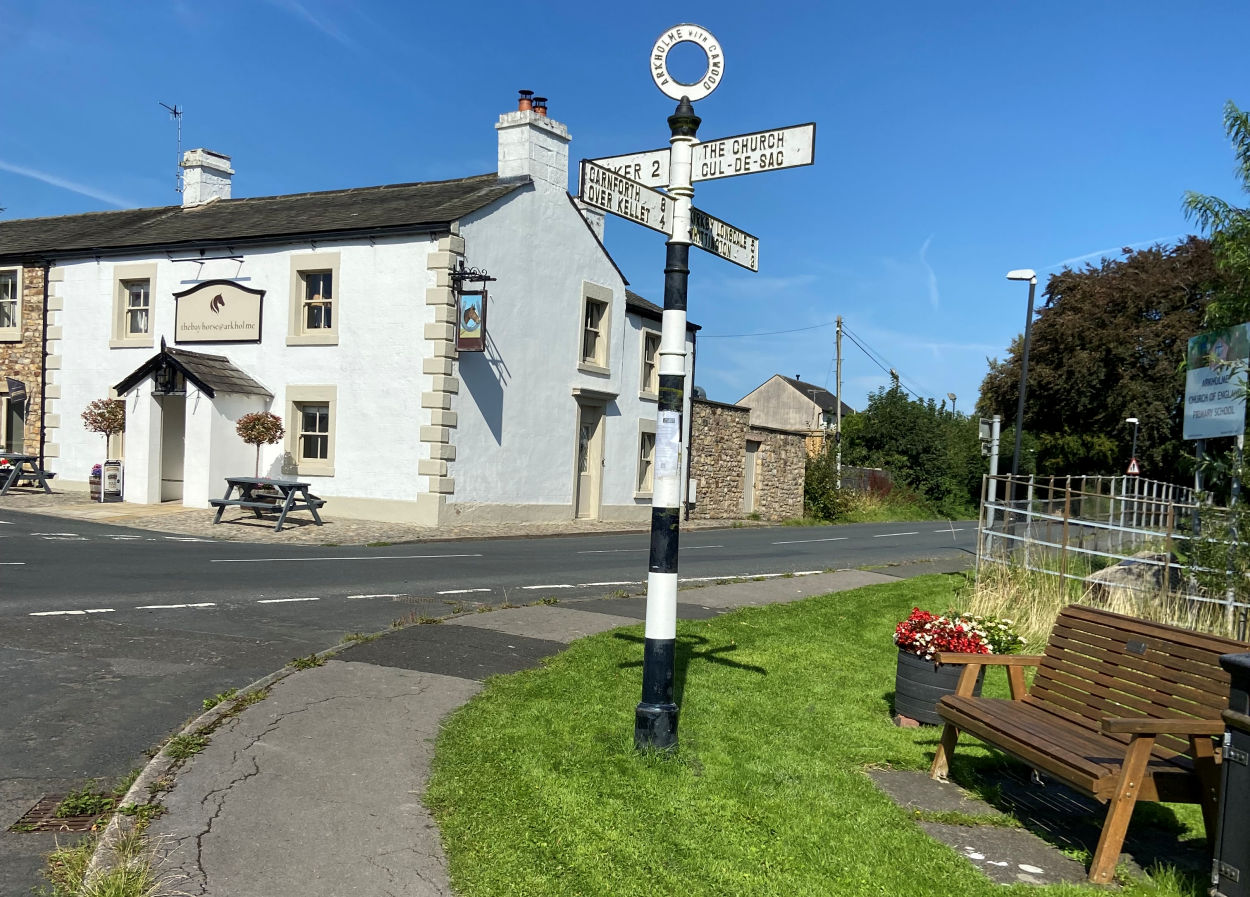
[993, 660]
[1147, 726]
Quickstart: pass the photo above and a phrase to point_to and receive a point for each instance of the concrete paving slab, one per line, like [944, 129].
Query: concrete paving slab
[782, 588]
[1008, 856]
[255, 812]
[913, 790]
[465, 651]
[541, 621]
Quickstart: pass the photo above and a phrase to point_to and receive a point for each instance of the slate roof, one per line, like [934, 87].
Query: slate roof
[210, 373]
[648, 309]
[823, 398]
[430, 205]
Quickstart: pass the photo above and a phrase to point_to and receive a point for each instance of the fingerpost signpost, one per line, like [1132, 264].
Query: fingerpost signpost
[655, 188]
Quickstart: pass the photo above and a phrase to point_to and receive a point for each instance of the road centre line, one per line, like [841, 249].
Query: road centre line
[697, 547]
[173, 606]
[628, 582]
[284, 600]
[804, 541]
[888, 535]
[950, 530]
[54, 534]
[12, 563]
[562, 586]
[387, 595]
[75, 613]
[461, 591]
[615, 551]
[380, 557]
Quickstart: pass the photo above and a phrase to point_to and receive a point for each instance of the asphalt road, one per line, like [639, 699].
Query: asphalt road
[110, 638]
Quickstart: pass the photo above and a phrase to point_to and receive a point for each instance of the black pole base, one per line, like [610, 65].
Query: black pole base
[655, 727]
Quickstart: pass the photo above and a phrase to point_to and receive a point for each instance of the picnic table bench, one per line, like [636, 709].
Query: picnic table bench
[260, 495]
[22, 470]
[1120, 710]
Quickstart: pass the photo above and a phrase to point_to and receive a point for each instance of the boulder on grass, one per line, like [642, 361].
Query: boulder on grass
[1134, 579]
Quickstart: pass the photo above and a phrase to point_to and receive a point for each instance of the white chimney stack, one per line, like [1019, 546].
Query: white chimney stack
[533, 144]
[206, 177]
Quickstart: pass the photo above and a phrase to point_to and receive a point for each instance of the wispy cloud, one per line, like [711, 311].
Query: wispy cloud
[322, 24]
[1112, 251]
[935, 297]
[65, 184]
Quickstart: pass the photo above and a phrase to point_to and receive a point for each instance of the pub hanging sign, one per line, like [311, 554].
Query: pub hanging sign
[471, 321]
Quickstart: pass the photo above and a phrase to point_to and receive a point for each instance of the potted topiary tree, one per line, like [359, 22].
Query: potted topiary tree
[260, 428]
[106, 417]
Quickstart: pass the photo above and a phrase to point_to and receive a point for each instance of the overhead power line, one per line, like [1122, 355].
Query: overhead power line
[764, 333]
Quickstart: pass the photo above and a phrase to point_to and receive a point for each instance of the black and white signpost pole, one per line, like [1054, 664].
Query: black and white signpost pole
[655, 719]
[655, 188]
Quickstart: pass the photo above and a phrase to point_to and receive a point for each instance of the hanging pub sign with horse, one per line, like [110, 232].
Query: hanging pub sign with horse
[471, 321]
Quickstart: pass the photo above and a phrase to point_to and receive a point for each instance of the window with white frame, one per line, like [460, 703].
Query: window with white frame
[315, 311]
[649, 381]
[596, 328]
[138, 307]
[133, 289]
[10, 303]
[310, 429]
[646, 458]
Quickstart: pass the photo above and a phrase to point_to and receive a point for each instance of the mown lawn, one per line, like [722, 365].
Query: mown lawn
[538, 790]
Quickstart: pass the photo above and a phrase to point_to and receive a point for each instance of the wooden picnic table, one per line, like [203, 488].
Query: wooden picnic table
[23, 469]
[261, 494]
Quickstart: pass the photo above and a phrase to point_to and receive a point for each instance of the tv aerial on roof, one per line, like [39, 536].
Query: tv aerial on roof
[176, 114]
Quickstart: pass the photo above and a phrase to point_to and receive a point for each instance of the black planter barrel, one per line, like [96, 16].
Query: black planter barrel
[920, 684]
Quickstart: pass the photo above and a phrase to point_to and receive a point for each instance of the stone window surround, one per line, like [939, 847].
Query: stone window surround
[601, 363]
[645, 390]
[296, 397]
[644, 427]
[14, 334]
[122, 274]
[297, 334]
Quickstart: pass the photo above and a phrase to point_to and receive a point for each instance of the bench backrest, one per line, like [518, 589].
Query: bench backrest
[1099, 664]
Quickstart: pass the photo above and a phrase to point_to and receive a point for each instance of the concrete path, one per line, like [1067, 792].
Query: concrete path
[317, 789]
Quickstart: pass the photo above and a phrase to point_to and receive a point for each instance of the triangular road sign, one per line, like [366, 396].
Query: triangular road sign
[1132, 468]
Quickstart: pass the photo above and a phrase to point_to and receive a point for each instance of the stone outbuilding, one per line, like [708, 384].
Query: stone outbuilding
[741, 468]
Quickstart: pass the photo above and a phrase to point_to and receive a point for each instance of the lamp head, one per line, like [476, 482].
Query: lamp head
[1131, 420]
[1023, 274]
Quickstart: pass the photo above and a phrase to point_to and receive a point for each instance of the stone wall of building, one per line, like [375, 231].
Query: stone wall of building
[719, 434]
[23, 360]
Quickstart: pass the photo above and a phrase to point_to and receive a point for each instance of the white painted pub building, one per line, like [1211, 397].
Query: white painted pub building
[340, 312]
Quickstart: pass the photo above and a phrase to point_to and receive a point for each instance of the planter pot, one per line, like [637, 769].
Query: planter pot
[919, 684]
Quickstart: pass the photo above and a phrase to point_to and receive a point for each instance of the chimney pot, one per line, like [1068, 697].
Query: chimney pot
[524, 103]
[540, 105]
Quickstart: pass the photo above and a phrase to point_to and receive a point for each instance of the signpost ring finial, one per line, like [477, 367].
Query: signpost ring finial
[704, 40]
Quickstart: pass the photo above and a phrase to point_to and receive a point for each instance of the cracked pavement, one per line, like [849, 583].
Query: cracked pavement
[335, 756]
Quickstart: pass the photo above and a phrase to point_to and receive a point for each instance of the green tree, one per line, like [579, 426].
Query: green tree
[1109, 343]
[1229, 228]
[933, 450]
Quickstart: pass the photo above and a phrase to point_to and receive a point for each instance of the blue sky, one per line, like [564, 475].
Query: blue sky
[955, 141]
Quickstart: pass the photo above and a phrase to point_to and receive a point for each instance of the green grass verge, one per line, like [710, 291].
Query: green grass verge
[538, 790]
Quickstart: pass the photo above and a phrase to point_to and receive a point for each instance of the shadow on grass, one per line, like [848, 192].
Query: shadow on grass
[691, 648]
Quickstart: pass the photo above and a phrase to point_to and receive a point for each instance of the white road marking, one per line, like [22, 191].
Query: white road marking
[734, 576]
[629, 582]
[284, 600]
[388, 595]
[12, 563]
[615, 551]
[173, 606]
[76, 613]
[888, 535]
[7, 523]
[380, 557]
[65, 539]
[951, 530]
[804, 541]
[561, 586]
[187, 539]
[461, 591]
[125, 538]
[54, 534]
[698, 547]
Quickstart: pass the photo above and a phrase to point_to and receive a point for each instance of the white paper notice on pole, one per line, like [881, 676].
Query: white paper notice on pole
[1215, 383]
[667, 444]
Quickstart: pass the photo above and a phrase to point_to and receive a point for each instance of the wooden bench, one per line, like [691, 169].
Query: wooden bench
[1120, 710]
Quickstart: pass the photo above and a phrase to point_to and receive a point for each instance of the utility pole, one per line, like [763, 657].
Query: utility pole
[837, 436]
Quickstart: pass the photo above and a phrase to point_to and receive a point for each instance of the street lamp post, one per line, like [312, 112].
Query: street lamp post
[1133, 421]
[1031, 276]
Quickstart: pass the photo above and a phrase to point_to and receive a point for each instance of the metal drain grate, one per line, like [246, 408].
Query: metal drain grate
[40, 818]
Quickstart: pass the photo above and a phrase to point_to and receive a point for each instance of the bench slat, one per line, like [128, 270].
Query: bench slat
[1084, 709]
[1172, 634]
[1186, 657]
[1137, 678]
